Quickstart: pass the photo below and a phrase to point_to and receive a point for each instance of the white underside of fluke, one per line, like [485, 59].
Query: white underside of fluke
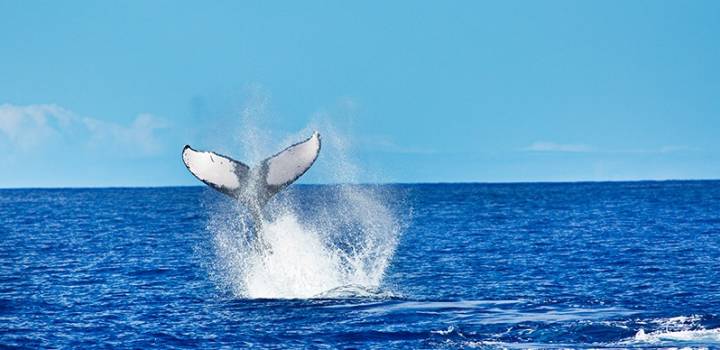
[289, 164]
[229, 176]
[212, 168]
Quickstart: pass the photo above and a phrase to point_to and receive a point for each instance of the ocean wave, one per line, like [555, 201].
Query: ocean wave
[353, 291]
[701, 335]
[674, 331]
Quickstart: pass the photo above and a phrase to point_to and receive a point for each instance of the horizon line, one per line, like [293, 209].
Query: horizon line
[377, 184]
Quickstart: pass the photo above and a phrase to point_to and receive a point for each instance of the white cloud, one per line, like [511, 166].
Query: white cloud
[542, 146]
[139, 135]
[28, 126]
[33, 126]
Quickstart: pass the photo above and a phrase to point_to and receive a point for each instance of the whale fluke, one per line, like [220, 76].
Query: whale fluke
[253, 186]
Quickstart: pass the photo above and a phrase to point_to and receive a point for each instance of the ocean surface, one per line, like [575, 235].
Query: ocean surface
[575, 265]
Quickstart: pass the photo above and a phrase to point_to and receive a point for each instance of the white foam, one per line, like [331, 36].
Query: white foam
[682, 329]
[303, 260]
[296, 265]
[701, 336]
[341, 243]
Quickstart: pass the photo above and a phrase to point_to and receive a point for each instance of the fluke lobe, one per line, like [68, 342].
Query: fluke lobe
[253, 186]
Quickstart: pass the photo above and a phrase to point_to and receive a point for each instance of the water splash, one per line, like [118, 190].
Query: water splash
[344, 241]
[319, 241]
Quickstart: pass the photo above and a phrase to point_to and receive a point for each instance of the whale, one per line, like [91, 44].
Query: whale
[253, 186]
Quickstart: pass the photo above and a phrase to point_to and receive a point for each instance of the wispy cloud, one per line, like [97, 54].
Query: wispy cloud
[31, 126]
[386, 144]
[139, 135]
[28, 126]
[673, 149]
[543, 146]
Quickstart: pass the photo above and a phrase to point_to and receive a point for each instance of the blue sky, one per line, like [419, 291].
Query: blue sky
[107, 93]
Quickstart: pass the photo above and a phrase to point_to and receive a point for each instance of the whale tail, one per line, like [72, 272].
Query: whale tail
[257, 185]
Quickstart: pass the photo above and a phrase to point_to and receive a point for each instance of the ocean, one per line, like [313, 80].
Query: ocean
[537, 265]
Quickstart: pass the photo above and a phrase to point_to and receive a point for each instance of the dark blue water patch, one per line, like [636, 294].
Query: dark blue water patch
[584, 265]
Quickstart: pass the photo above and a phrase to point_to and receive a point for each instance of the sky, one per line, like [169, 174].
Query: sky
[107, 93]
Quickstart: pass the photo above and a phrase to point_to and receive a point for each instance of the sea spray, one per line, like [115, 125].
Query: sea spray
[346, 239]
[318, 241]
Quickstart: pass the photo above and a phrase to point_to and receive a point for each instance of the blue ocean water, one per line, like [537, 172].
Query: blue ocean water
[615, 265]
